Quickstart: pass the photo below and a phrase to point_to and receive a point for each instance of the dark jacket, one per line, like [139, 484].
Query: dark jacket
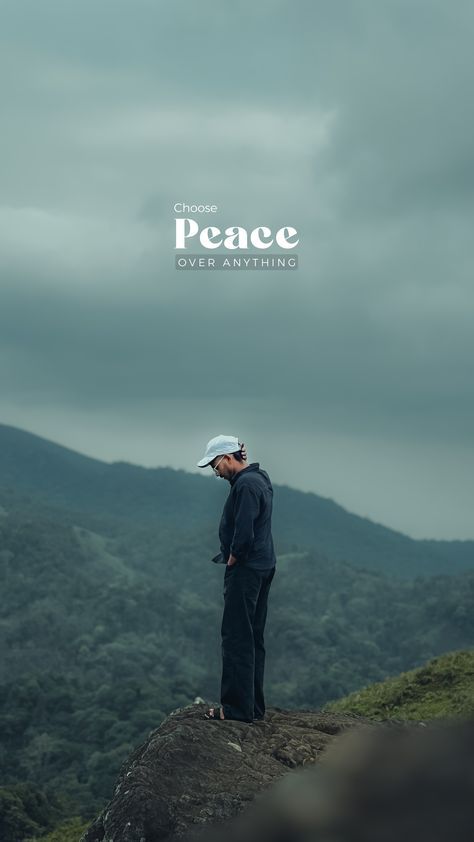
[246, 523]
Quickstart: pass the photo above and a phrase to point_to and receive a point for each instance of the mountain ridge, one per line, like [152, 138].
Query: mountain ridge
[163, 497]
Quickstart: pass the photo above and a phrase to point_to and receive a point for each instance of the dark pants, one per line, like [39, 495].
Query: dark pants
[243, 652]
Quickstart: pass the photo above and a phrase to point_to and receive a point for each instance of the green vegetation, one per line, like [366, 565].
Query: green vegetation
[107, 632]
[25, 810]
[110, 617]
[442, 688]
[69, 831]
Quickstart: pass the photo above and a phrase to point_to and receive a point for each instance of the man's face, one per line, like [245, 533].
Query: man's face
[223, 466]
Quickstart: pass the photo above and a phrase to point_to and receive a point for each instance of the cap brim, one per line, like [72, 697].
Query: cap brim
[203, 463]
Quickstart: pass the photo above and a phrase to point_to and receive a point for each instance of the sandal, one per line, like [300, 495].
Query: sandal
[215, 715]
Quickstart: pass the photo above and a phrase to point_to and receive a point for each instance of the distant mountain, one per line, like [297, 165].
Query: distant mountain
[167, 499]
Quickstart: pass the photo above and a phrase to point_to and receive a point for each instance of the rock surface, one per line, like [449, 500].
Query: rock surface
[192, 772]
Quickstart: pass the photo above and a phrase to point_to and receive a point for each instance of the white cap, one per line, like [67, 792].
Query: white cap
[217, 447]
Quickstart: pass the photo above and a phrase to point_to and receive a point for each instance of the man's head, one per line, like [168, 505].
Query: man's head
[228, 464]
[224, 455]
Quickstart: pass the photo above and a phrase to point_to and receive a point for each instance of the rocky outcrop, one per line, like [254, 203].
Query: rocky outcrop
[192, 772]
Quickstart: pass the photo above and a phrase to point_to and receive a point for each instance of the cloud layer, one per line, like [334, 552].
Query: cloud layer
[351, 377]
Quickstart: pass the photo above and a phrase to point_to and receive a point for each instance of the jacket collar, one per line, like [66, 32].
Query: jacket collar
[254, 466]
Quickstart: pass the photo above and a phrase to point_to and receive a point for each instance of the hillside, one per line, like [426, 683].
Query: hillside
[104, 636]
[110, 612]
[163, 499]
[443, 688]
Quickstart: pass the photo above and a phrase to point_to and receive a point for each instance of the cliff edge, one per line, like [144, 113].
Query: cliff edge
[192, 772]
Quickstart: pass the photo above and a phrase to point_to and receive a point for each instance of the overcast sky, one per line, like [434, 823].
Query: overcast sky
[353, 122]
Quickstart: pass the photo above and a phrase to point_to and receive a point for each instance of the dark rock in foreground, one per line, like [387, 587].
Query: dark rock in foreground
[399, 782]
[193, 772]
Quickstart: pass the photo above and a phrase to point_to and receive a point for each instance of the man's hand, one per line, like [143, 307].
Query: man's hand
[232, 560]
[243, 451]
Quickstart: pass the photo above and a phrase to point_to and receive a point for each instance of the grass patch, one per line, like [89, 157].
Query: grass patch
[444, 687]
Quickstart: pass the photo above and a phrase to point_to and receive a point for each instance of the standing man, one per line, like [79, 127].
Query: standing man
[247, 550]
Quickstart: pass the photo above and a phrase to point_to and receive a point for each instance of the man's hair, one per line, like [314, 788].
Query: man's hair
[238, 455]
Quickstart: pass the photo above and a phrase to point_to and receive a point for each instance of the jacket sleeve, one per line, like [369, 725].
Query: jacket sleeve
[246, 510]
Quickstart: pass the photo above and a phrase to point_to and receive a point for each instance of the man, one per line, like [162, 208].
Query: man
[247, 550]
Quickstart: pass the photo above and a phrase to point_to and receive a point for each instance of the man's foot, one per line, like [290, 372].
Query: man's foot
[215, 713]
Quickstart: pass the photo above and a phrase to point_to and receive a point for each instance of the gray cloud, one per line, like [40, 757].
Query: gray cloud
[356, 128]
